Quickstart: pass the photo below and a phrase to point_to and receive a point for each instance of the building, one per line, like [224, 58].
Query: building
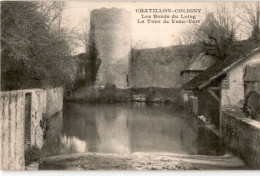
[220, 86]
[198, 64]
[111, 58]
[110, 46]
[159, 67]
[252, 90]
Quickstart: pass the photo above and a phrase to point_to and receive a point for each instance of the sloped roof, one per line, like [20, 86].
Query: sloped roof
[221, 67]
[199, 62]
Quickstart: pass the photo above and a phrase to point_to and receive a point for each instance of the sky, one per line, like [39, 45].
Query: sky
[145, 35]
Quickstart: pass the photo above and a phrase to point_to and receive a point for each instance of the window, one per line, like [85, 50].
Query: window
[27, 116]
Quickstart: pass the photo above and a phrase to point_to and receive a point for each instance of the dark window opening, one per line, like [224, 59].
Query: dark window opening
[27, 115]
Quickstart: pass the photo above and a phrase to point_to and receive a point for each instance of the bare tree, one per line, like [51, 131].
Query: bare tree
[52, 12]
[250, 17]
[188, 37]
[217, 32]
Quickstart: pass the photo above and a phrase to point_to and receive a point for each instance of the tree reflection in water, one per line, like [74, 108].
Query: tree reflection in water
[127, 128]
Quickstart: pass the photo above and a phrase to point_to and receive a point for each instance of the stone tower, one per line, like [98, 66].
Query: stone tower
[110, 38]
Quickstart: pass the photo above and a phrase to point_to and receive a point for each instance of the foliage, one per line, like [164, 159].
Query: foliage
[32, 154]
[215, 38]
[218, 32]
[35, 50]
[94, 62]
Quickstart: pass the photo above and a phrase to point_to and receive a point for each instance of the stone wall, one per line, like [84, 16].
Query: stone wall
[37, 110]
[156, 94]
[242, 136]
[110, 52]
[158, 67]
[11, 104]
[190, 103]
[54, 100]
[13, 125]
[110, 33]
[12, 117]
[194, 105]
[151, 94]
[232, 90]
[208, 106]
[55, 126]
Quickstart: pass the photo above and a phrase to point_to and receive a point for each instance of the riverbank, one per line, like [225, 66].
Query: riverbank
[141, 161]
[111, 94]
[239, 134]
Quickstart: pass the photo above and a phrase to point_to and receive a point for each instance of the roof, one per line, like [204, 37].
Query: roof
[199, 62]
[220, 68]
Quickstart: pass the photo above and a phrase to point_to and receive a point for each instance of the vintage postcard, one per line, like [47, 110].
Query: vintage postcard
[130, 85]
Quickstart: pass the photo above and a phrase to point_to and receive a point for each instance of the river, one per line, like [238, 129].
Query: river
[128, 128]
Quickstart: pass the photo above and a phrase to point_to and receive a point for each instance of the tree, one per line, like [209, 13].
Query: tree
[250, 18]
[35, 52]
[217, 32]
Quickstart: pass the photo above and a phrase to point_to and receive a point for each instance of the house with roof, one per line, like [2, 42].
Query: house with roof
[252, 90]
[198, 64]
[221, 85]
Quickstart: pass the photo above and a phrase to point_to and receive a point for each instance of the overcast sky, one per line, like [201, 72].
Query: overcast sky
[143, 35]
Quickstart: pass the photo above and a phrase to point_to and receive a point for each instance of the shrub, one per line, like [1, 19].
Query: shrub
[32, 154]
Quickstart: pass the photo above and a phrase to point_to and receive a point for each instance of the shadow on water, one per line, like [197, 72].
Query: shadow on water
[127, 128]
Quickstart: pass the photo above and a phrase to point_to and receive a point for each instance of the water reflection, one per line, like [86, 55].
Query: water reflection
[127, 128]
[113, 132]
[52, 143]
[71, 144]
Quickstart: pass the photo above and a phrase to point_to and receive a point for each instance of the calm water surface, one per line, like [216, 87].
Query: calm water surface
[127, 128]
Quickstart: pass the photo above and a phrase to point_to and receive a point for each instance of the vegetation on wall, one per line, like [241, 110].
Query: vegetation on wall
[94, 62]
[32, 154]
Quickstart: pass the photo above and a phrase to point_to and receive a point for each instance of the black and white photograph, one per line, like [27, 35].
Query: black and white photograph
[130, 86]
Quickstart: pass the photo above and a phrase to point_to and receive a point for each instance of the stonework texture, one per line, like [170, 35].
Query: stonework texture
[12, 105]
[13, 125]
[159, 67]
[54, 101]
[242, 136]
[111, 32]
[233, 94]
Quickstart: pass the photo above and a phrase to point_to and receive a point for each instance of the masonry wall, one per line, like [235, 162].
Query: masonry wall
[208, 106]
[194, 105]
[158, 67]
[151, 94]
[12, 126]
[37, 110]
[12, 105]
[110, 32]
[54, 101]
[242, 136]
[52, 146]
[232, 90]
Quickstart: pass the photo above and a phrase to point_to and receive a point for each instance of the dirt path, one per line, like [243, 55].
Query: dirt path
[140, 161]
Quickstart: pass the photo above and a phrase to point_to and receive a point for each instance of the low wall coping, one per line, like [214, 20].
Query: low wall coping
[4, 93]
[13, 92]
[252, 123]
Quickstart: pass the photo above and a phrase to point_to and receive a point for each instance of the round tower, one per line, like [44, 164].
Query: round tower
[110, 45]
